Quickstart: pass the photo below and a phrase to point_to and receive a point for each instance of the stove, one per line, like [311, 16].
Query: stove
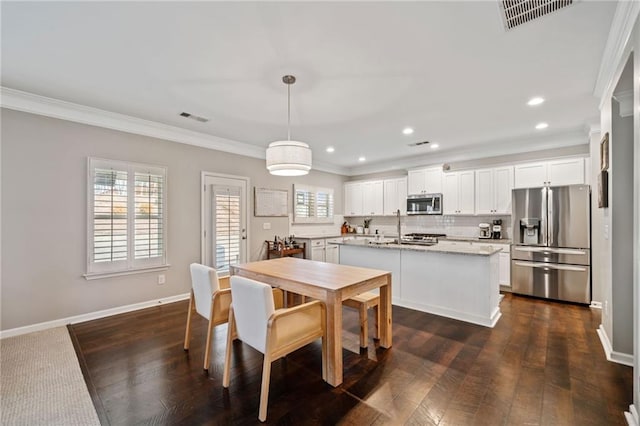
[421, 239]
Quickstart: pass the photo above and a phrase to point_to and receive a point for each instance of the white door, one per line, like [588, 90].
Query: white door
[353, 199]
[466, 192]
[433, 180]
[484, 192]
[530, 175]
[224, 221]
[416, 182]
[503, 182]
[566, 172]
[450, 193]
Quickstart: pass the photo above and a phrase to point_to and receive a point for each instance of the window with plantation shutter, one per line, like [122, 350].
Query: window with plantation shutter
[228, 227]
[312, 205]
[126, 218]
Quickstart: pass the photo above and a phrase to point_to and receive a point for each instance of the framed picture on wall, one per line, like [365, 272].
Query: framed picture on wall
[603, 189]
[604, 153]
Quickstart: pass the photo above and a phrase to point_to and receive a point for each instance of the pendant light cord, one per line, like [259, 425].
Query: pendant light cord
[288, 112]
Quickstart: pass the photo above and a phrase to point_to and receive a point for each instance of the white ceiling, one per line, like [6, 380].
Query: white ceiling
[364, 70]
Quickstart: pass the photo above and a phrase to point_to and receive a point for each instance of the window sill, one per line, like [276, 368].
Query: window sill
[100, 275]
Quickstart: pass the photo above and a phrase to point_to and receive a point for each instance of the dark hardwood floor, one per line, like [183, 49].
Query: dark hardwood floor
[541, 365]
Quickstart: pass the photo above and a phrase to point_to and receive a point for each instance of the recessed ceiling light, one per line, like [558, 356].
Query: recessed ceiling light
[435, 146]
[541, 126]
[361, 159]
[535, 101]
[330, 149]
[407, 130]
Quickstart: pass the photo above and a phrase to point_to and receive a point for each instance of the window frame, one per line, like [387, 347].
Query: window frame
[96, 270]
[314, 217]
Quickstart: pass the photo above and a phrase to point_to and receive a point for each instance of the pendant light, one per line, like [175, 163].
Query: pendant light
[288, 158]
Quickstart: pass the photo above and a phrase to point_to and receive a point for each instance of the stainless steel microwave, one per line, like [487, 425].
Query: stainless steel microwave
[424, 204]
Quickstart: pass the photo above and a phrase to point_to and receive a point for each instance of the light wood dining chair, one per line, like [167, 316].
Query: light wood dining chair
[210, 300]
[254, 319]
[362, 303]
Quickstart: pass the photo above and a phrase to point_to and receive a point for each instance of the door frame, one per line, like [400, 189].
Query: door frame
[203, 209]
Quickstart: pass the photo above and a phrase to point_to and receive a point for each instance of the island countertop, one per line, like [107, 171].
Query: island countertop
[441, 247]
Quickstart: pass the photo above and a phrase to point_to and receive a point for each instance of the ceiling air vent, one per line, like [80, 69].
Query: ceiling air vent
[419, 143]
[518, 12]
[193, 117]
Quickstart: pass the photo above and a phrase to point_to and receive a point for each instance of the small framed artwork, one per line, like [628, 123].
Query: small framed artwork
[604, 153]
[603, 189]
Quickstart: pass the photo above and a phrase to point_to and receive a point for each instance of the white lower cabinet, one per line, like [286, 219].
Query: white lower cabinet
[331, 253]
[319, 249]
[505, 263]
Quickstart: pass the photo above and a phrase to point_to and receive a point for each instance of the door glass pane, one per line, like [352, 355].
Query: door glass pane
[227, 227]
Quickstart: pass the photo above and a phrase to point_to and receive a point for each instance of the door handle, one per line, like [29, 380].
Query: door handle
[552, 266]
[548, 250]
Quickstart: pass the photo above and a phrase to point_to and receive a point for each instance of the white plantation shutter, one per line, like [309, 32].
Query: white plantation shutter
[149, 215]
[324, 204]
[228, 227]
[127, 221]
[109, 215]
[312, 205]
[304, 204]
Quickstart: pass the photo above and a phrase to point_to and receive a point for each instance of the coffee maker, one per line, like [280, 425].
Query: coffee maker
[496, 231]
[485, 230]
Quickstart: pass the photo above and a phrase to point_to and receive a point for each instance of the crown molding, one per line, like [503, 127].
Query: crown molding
[622, 24]
[625, 100]
[577, 136]
[49, 107]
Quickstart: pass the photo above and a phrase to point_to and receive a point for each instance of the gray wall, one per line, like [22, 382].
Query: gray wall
[621, 198]
[44, 173]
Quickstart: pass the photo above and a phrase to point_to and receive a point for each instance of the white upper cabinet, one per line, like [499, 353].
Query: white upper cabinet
[493, 190]
[425, 181]
[567, 171]
[458, 193]
[372, 194]
[353, 196]
[416, 182]
[395, 196]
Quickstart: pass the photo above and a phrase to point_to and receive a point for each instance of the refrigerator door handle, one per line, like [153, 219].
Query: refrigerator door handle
[550, 218]
[543, 225]
[552, 266]
[550, 250]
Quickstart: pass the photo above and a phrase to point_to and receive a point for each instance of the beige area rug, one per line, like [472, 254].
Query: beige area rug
[41, 382]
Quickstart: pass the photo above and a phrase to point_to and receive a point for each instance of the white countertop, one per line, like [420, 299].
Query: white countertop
[438, 248]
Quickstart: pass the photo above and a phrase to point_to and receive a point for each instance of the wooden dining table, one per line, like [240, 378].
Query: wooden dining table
[330, 283]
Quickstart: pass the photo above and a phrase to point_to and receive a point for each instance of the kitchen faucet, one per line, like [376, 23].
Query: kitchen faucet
[399, 235]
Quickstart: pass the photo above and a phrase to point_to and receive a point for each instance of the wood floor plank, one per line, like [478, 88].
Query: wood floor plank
[542, 364]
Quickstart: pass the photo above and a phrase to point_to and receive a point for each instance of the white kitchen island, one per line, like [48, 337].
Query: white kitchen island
[460, 282]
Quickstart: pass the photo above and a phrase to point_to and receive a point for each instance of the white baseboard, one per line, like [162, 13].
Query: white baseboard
[613, 356]
[451, 313]
[91, 316]
[632, 416]
[594, 304]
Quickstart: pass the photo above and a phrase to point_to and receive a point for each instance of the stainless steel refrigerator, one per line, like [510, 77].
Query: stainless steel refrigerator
[551, 250]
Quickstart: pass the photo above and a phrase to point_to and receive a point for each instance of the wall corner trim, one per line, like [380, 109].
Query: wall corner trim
[613, 356]
[91, 316]
[621, 27]
[632, 416]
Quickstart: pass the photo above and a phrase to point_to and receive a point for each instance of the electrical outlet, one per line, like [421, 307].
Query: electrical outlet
[606, 231]
[606, 307]
[161, 279]
[266, 225]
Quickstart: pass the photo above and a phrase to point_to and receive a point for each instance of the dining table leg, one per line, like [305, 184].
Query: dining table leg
[385, 315]
[334, 339]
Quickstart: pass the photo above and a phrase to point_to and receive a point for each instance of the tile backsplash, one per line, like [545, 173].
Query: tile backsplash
[458, 226]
